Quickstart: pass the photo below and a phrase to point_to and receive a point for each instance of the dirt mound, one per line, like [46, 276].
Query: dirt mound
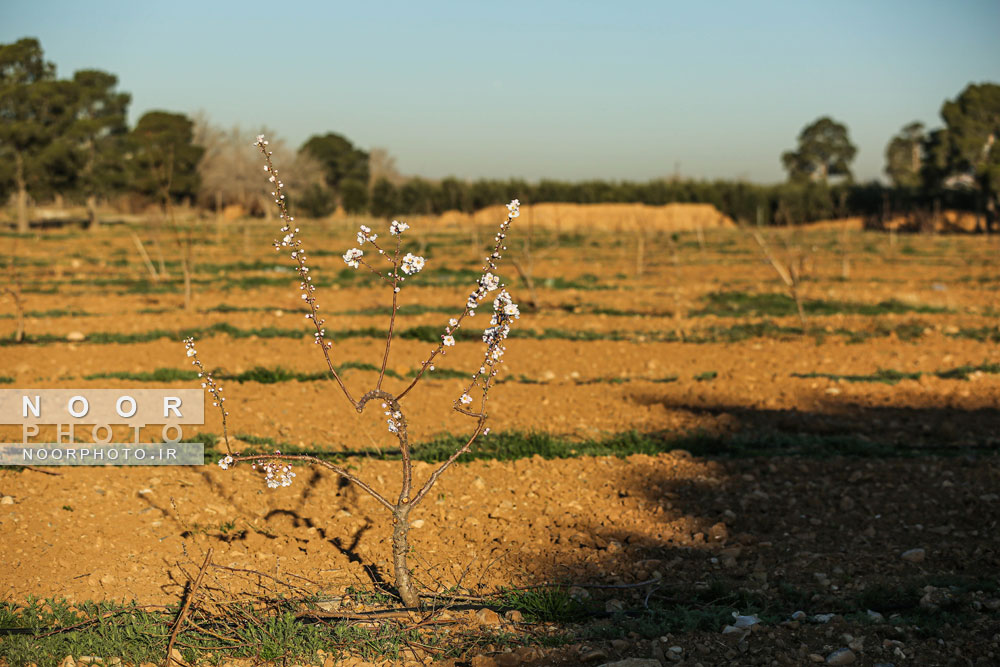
[603, 217]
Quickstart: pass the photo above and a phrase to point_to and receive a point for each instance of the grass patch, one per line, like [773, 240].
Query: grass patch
[516, 445]
[159, 375]
[137, 635]
[891, 377]
[907, 331]
[5, 379]
[882, 375]
[744, 304]
[43, 314]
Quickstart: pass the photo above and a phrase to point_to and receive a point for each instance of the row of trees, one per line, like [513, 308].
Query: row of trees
[69, 137]
[959, 162]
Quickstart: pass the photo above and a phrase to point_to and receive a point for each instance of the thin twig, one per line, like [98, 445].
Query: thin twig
[186, 607]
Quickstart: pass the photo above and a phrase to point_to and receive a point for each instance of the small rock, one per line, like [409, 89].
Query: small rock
[176, 658]
[799, 616]
[419, 523]
[816, 657]
[842, 656]
[90, 659]
[7, 500]
[514, 616]
[619, 644]
[479, 483]
[914, 555]
[613, 606]
[75, 337]
[68, 661]
[578, 593]
[488, 617]
[822, 618]
[596, 654]
[875, 617]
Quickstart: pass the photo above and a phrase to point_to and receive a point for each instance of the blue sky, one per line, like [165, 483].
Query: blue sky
[569, 90]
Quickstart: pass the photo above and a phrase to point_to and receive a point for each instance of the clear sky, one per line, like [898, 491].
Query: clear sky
[568, 90]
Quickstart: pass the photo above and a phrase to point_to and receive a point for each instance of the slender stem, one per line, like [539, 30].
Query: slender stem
[392, 317]
[447, 464]
[488, 264]
[303, 271]
[320, 462]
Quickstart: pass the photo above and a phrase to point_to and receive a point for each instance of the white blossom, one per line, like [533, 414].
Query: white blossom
[412, 263]
[514, 208]
[396, 227]
[352, 256]
[449, 341]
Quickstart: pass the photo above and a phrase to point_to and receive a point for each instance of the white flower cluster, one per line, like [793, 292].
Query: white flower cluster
[276, 473]
[352, 256]
[396, 227]
[505, 311]
[513, 208]
[412, 264]
[394, 419]
[226, 462]
[365, 235]
[208, 382]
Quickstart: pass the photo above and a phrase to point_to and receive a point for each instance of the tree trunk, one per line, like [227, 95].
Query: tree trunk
[399, 549]
[93, 223]
[22, 194]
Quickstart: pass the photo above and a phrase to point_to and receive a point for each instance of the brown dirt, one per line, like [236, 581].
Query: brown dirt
[760, 524]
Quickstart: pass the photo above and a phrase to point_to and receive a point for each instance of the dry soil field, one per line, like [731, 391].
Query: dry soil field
[668, 447]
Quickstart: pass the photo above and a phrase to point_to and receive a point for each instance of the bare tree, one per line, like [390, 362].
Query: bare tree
[277, 466]
[787, 274]
[383, 165]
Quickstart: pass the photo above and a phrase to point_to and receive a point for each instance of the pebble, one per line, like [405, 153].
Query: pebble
[488, 617]
[419, 523]
[7, 500]
[842, 656]
[799, 616]
[75, 336]
[514, 616]
[914, 555]
[612, 606]
[68, 661]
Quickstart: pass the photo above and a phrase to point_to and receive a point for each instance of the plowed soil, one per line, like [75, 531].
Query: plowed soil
[626, 335]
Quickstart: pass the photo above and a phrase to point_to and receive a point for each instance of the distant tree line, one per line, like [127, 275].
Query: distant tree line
[69, 138]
